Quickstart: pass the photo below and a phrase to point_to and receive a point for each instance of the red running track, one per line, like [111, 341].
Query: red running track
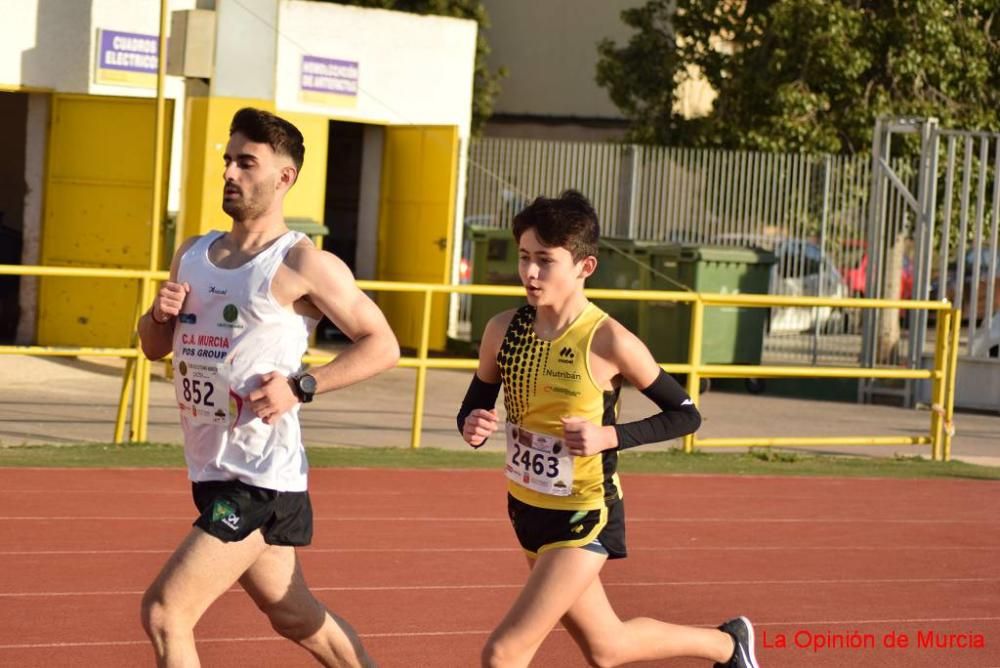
[424, 564]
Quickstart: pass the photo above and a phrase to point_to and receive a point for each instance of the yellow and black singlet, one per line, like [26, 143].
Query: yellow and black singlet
[544, 381]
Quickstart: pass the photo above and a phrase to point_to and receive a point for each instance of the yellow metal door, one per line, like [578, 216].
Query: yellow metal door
[98, 196]
[416, 224]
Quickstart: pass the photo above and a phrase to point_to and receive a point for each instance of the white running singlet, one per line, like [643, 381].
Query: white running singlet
[232, 331]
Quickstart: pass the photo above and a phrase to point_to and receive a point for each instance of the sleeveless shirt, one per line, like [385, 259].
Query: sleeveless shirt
[232, 331]
[546, 380]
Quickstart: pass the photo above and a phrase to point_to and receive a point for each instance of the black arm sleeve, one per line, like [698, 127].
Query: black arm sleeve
[479, 395]
[678, 416]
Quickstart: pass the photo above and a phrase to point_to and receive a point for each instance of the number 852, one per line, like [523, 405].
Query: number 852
[193, 391]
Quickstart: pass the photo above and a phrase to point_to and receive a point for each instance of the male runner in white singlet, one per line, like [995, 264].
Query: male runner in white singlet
[237, 313]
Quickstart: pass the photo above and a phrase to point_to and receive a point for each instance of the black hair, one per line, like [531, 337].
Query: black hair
[568, 221]
[264, 127]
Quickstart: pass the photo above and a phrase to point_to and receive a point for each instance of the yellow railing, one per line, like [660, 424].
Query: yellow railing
[942, 376]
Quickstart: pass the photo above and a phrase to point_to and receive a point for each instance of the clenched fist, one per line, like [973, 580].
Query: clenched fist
[583, 437]
[169, 301]
[272, 398]
[479, 425]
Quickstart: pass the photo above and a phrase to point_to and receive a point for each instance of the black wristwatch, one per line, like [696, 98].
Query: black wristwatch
[304, 386]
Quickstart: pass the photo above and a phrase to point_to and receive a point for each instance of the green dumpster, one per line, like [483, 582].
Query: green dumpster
[307, 226]
[731, 335]
[494, 262]
[622, 264]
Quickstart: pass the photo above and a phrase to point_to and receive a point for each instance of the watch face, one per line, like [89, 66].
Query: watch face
[307, 384]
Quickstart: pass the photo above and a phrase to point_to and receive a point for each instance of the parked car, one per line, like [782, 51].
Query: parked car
[951, 275]
[797, 272]
[987, 340]
[856, 278]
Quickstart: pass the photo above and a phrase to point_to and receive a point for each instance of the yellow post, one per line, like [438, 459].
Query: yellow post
[133, 431]
[694, 359]
[130, 373]
[418, 396]
[133, 373]
[123, 399]
[161, 110]
[938, 384]
[949, 402]
[139, 398]
[143, 366]
[146, 370]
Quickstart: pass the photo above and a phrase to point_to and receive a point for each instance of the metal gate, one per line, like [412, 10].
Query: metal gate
[947, 207]
[811, 210]
[882, 226]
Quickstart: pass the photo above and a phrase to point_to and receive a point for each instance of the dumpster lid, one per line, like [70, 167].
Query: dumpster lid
[738, 254]
[486, 232]
[307, 226]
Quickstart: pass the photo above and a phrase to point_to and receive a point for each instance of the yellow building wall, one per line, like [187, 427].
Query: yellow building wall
[98, 194]
[416, 223]
[207, 122]
[307, 199]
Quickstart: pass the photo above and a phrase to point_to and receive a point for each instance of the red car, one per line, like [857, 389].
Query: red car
[856, 276]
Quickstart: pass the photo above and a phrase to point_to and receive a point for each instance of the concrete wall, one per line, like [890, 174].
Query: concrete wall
[403, 70]
[35, 144]
[411, 70]
[246, 40]
[368, 202]
[52, 45]
[46, 44]
[550, 50]
[143, 17]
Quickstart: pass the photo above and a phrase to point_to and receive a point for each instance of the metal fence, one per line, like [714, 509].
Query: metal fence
[940, 377]
[506, 174]
[966, 269]
[810, 210]
[948, 200]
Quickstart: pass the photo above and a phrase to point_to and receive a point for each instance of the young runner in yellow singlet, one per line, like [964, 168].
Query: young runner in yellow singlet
[561, 362]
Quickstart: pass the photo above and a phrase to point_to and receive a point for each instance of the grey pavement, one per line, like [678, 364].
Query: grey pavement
[72, 400]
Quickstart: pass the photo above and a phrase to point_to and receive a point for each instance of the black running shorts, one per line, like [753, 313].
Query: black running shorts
[231, 510]
[541, 529]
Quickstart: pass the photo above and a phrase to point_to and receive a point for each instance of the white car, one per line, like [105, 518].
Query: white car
[987, 340]
[797, 273]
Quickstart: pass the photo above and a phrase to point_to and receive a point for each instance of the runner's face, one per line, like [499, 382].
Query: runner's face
[252, 176]
[549, 274]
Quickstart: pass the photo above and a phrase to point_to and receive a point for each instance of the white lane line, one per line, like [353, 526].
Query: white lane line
[446, 550]
[418, 518]
[517, 585]
[174, 491]
[126, 643]
[685, 496]
[189, 518]
[301, 551]
[472, 632]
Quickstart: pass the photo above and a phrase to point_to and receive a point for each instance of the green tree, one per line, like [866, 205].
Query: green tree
[486, 83]
[805, 75]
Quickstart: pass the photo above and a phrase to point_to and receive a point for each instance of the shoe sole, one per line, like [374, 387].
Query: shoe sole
[751, 641]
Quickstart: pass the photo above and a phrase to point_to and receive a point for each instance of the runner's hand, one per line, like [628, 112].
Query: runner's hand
[170, 300]
[272, 398]
[583, 438]
[479, 426]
